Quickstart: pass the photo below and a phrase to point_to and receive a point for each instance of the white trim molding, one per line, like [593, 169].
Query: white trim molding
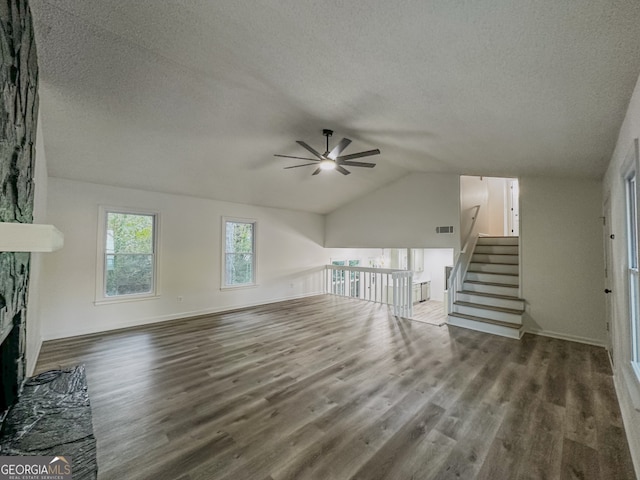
[100, 297]
[223, 250]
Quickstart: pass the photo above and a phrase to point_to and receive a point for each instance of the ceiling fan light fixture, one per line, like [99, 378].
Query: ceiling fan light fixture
[332, 159]
[327, 164]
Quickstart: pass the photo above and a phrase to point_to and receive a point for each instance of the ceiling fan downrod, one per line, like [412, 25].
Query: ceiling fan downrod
[327, 133]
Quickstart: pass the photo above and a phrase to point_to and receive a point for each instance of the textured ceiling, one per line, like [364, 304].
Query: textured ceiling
[195, 96]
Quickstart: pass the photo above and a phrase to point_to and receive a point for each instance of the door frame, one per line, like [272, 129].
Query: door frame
[607, 238]
[512, 220]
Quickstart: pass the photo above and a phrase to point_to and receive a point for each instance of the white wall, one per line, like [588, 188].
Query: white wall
[34, 316]
[562, 258]
[435, 259]
[402, 214]
[488, 192]
[627, 385]
[473, 191]
[289, 258]
[496, 188]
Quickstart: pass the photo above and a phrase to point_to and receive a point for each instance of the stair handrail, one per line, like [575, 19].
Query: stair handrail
[463, 258]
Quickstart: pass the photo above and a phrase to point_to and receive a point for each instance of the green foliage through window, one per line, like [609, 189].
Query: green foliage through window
[239, 253]
[129, 254]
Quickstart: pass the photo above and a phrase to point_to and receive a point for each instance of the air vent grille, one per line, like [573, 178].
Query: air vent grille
[447, 229]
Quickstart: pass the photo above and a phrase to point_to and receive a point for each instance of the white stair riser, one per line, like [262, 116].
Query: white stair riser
[498, 241]
[492, 278]
[488, 258]
[504, 249]
[517, 304]
[491, 314]
[494, 268]
[474, 287]
[485, 327]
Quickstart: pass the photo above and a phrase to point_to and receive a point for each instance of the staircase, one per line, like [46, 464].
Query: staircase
[489, 300]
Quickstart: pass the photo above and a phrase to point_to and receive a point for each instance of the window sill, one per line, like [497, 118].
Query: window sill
[239, 287]
[125, 299]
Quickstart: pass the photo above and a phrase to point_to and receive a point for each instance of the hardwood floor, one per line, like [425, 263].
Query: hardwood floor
[334, 388]
[430, 311]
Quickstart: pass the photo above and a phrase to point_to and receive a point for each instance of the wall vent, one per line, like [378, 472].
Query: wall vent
[448, 229]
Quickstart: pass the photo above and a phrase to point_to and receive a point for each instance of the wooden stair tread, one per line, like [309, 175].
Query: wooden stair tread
[515, 311]
[483, 244]
[515, 326]
[494, 273]
[493, 284]
[491, 295]
[504, 255]
[494, 263]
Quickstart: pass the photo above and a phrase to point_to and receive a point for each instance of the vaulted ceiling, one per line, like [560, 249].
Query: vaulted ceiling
[195, 96]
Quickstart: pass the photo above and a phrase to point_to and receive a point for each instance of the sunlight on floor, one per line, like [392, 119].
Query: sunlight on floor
[431, 312]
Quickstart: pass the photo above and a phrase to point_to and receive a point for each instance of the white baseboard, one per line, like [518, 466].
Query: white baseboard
[629, 419]
[32, 358]
[58, 334]
[564, 336]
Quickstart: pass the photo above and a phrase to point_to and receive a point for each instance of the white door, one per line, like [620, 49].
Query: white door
[513, 209]
[608, 273]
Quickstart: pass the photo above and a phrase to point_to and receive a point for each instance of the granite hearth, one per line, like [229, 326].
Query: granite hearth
[53, 417]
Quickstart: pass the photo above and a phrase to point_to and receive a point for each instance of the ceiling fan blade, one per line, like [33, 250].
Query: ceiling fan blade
[358, 164]
[368, 153]
[297, 158]
[303, 165]
[302, 144]
[317, 171]
[343, 171]
[337, 150]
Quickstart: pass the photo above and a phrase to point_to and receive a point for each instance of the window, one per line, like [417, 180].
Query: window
[127, 263]
[339, 278]
[239, 252]
[632, 247]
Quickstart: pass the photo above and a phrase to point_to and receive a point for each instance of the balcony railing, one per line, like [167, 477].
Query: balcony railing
[380, 285]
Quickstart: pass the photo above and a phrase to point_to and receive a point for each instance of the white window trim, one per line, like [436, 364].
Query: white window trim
[630, 367]
[223, 256]
[632, 252]
[100, 297]
[635, 347]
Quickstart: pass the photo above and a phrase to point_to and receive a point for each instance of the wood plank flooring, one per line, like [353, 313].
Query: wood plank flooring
[430, 311]
[335, 388]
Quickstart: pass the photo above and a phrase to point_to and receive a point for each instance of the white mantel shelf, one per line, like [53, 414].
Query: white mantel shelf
[29, 237]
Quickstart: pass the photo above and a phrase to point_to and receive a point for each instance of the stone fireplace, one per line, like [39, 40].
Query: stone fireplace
[18, 117]
[14, 268]
[10, 368]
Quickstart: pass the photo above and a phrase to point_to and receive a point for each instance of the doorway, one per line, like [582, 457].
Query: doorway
[429, 271]
[512, 211]
[498, 199]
